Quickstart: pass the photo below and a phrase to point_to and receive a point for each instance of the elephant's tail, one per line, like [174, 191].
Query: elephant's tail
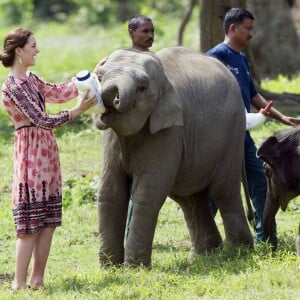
[250, 213]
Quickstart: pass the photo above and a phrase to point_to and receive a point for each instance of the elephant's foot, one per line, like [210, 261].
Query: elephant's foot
[272, 240]
[137, 264]
[107, 259]
[195, 253]
[209, 244]
[243, 238]
[271, 232]
[137, 259]
[237, 230]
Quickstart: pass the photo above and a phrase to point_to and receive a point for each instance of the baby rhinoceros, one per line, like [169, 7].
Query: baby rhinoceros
[281, 154]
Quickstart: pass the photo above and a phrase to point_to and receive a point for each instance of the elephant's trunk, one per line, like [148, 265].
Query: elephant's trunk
[119, 93]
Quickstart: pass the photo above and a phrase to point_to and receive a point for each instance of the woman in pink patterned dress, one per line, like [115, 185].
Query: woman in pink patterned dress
[37, 191]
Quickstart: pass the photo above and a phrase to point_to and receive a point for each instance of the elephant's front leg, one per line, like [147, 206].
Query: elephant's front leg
[112, 209]
[153, 168]
[271, 208]
[147, 201]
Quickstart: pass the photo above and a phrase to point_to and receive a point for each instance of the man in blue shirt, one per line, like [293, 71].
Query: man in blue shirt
[238, 25]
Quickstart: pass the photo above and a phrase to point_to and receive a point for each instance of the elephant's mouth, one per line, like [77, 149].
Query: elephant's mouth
[113, 109]
[104, 120]
[109, 114]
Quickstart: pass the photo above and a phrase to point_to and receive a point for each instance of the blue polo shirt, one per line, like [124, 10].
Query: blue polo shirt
[238, 64]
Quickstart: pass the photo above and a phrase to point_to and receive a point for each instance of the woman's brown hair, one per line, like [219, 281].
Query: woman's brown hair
[18, 37]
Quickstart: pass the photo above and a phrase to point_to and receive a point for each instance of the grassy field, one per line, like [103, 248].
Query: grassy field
[73, 270]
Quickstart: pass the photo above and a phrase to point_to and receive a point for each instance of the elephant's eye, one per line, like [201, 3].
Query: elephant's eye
[141, 88]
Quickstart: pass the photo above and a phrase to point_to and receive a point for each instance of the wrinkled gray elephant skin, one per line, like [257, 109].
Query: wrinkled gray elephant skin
[175, 126]
[281, 154]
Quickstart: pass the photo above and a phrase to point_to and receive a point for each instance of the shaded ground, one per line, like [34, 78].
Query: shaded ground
[6, 277]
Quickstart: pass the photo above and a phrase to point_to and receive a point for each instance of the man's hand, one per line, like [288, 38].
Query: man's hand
[100, 64]
[290, 121]
[266, 111]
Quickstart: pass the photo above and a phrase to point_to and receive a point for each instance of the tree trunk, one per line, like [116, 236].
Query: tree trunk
[275, 44]
[211, 21]
[211, 27]
[185, 20]
[124, 10]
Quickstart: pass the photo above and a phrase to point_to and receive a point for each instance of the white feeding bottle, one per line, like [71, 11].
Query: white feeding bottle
[87, 81]
[254, 120]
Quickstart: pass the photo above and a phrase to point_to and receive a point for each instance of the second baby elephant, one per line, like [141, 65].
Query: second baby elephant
[281, 154]
[175, 126]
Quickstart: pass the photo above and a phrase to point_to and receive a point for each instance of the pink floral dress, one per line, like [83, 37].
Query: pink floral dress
[37, 187]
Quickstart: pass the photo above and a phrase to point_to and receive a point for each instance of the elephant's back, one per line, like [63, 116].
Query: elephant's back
[192, 71]
[206, 87]
[193, 65]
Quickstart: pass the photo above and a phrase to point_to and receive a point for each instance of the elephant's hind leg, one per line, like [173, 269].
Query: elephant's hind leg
[234, 219]
[203, 231]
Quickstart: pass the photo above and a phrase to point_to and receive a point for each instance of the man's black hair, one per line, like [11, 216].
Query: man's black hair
[134, 22]
[235, 16]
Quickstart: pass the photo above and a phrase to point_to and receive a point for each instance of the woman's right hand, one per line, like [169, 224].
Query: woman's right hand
[86, 101]
[83, 103]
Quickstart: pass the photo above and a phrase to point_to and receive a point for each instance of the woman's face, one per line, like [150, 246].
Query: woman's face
[28, 52]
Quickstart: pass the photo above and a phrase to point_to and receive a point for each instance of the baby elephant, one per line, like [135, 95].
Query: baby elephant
[281, 154]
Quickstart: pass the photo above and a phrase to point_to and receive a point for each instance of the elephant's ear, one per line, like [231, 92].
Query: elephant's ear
[168, 110]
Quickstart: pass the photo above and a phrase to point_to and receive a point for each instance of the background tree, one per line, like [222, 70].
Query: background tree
[185, 20]
[275, 43]
[211, 16]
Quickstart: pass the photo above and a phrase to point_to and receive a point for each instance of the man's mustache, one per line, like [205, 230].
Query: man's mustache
[150, 40]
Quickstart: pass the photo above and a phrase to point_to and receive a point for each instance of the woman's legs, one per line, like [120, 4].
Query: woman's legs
[37, 246]
[24, 248]
[40, 256]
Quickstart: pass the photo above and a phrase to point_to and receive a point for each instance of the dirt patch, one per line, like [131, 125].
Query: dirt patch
[179, 244]
[6, 277]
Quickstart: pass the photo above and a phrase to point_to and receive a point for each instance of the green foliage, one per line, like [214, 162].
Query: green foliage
[5, 126]
[95, 12]
[80, 191]
[82, 12]
[15, 11]
[173, 8]
[83, 47]
[73, 270]
[54, 9]
[282, 84]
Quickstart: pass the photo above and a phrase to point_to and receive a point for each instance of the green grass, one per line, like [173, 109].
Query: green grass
[73, 270]
[282, 84]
